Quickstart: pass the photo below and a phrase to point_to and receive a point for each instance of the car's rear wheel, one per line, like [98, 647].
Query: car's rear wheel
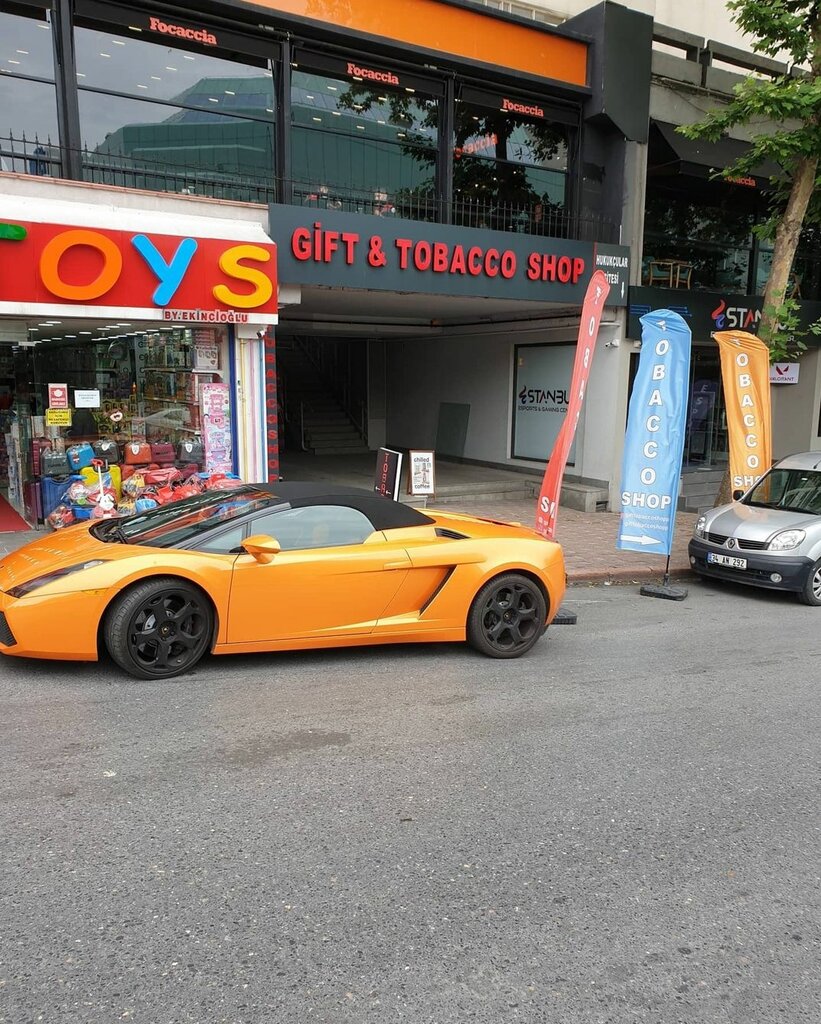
[159, 629]
[507, 616]
[811, 592]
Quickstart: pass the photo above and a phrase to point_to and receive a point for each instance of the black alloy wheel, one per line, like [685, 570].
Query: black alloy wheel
[507, 616]
[159, 629]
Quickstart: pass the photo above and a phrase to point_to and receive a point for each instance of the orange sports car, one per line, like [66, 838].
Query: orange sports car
[272, 568]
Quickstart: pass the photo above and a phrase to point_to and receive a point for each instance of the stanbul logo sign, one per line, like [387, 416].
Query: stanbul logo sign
[197, 35]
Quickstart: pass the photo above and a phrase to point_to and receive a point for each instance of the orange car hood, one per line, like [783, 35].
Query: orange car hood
[53, 551]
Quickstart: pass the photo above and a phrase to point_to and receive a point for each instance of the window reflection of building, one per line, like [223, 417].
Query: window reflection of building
[29, 141]
[509, 168]
[374, 147]
[208, 120]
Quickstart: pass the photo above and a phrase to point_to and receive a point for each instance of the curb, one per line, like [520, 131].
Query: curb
[602, 577]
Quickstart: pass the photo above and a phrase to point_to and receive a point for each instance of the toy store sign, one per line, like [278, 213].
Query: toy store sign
[49, 269]
[361, 251]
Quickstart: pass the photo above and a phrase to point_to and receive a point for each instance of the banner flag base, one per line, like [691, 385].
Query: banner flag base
[663, 590]
[564, 618]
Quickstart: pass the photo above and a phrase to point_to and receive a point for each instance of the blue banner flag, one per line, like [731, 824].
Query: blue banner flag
[654, 445]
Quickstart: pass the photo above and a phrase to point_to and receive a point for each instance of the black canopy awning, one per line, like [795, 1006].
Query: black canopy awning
[700, 158]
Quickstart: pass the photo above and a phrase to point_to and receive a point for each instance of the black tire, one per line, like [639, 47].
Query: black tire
[507, 616]
[811, 592]
[159, 629]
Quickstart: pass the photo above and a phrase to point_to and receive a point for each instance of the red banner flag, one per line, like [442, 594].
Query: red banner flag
[594, 299]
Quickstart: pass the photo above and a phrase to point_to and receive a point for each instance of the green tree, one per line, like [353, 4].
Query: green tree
[790, 105]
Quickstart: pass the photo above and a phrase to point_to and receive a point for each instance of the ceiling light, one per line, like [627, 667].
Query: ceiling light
[118, 42]
[142, 86]
[24, 52]
[169, 68]
[317, 119]
[229, 93]
[85, 332]
[104, 54]
[134, 28]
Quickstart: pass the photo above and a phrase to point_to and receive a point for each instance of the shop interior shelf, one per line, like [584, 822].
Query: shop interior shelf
[169, 401]
[169, 369]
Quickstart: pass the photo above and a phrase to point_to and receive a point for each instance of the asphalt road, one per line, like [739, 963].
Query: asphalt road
[622, 827]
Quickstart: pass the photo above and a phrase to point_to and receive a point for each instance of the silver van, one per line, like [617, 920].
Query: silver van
[769, 536]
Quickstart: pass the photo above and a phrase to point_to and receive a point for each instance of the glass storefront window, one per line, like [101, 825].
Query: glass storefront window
[174, 120]
[509, 170]
[29, 136]
[714, 238]
[155, 146]
[363, 147]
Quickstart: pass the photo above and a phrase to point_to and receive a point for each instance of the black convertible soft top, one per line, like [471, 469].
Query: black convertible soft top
[384, 513]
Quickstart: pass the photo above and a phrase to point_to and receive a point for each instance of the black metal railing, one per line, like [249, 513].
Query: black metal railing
[532, 217]
[43, 157]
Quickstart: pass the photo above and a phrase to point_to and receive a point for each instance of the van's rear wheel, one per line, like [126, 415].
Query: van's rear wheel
[811, 592]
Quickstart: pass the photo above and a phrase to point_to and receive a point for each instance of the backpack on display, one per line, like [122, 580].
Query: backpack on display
[106, 449]
[191, 451]
[53, 463]
[80, 455]
[137, 453]
[163, 453]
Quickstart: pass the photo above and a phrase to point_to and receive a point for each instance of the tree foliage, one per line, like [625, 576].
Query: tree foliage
[784, 115]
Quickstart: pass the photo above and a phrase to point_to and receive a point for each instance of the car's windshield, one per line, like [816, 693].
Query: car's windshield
[793, 490]
[177, 524]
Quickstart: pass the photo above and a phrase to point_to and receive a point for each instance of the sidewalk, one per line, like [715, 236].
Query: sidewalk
[588, 540]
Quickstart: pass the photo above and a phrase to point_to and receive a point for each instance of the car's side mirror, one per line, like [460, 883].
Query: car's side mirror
[737, 494]
[262, 547]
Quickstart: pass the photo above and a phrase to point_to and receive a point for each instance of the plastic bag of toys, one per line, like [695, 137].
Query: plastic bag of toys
[59, 517]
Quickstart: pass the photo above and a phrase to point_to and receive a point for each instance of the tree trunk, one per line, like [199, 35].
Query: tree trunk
[786, 241]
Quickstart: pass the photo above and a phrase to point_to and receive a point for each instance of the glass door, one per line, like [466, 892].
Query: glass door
[705, 441]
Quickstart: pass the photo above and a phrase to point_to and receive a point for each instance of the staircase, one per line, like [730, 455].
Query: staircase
[699, 489]
[316, 419]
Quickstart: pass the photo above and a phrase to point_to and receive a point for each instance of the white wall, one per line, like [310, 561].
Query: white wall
[477, 369]
[708, 18]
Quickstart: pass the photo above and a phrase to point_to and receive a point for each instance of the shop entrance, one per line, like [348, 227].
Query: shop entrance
[705, 444]
[131, 393]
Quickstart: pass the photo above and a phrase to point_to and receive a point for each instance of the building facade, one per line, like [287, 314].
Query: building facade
[438, 182]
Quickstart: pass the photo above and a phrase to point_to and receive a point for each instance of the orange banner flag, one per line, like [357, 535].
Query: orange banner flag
[745, 371]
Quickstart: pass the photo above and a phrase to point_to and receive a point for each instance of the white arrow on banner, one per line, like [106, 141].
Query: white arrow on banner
[643, 540]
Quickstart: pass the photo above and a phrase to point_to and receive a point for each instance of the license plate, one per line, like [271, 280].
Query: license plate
[728, 560]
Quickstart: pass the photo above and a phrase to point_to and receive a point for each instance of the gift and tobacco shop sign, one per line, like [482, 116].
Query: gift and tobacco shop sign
[321, 247]
[49, 269]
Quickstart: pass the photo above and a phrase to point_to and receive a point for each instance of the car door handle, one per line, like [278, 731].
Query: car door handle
[404, 564]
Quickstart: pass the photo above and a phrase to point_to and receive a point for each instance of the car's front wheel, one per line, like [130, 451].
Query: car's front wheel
[159, 629]
[507, 616]
[811, 592]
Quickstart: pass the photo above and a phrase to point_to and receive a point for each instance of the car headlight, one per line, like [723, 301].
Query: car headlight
[701, 522]
[786, 540]
[51, 577]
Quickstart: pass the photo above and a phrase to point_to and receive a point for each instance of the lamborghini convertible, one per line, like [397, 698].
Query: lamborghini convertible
[273, 568]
